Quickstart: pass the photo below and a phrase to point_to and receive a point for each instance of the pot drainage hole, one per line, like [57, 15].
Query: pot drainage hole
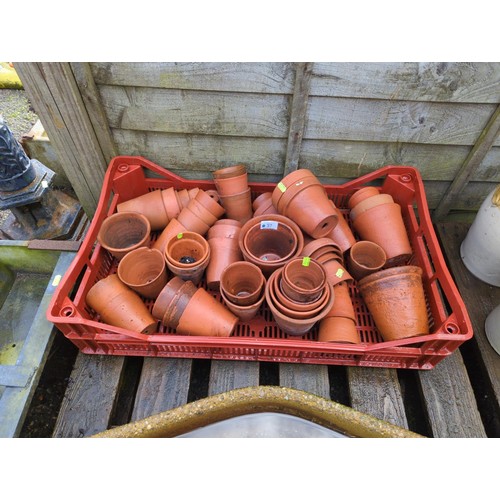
[187, 259]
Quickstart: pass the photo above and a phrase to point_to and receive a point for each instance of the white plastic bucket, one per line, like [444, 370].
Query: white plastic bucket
[480, 250]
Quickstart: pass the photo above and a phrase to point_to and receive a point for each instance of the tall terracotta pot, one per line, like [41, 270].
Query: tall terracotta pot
[120, 306]
[150, 205]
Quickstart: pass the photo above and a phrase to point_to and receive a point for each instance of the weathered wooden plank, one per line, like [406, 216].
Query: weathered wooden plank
[90, 396]
[203, 153]
[449, 400]
[54, 94]
[163, 385]
[194, 112]
[228, 375]
[261, 77]
[353, 159]
[414, 81]
[297, 116]
[396, 121]
[470, 165]
[91, 98]
[376, 392]
[309, 378]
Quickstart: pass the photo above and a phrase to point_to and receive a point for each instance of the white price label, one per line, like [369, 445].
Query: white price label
[269, 224]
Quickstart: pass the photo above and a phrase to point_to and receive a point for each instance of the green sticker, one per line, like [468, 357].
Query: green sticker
[179, 236]
[339, 273]
[281, 187]
[306, 261]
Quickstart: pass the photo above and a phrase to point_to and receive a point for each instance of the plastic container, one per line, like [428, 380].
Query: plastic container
[261, 339]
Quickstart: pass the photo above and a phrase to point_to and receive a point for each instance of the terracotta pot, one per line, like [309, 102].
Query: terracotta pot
[150, 205]
[187, 255]
[290, 325]
[193, 222]
[144, 271]
[213, 206]
[338, 329]
[396, 300]
[193, 192]
[384, 225]
[168, 306]
[123, 232]
[120, 306]
[267, 209]
[269, 241]
[361, 194]
[293, 177]
[233, 171]
[303, 279]
[244, 313]
[183, 197]
[335, 271]
[242, 283]
[202, 212]
[238, 206]
[322, 246]
[174, 227]
[223, 252]
[213, 194]
[369, 203]
[342, 306]
[342, 234]
[231, 185]
[171, 203]
[225, 228]
[262, 199]
[364, 258]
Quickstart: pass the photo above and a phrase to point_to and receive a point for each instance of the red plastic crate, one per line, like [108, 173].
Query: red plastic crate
[261, 339]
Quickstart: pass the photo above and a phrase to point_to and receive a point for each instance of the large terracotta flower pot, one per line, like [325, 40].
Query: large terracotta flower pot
[396, 300]
[242, 283]
[338, 329]
[303, 279]
[269, 241]
[123, 232]
[223, 252]
[342, 234]
[238, 206]
[384, 225]
[150, 205]
[174, 227]
[244, 313]
[364, 258]
[187, 255]
[120, 306]
[361, 194]
[144, 271]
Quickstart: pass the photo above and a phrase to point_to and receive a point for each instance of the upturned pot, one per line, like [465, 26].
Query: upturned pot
[342, 234]
[302, 198]
[303, 279]
[238, 206]
[338, 329]
[269, 241]
[364, 258]
[244, 313]
[120, 306]
[123, 232]
[144, 271]
[242, 283]
[384, 225]
[150, 205]
[174, 227]
[223, 253]
[187, 255]
[395, 298]
[480, 248]
[361, 194]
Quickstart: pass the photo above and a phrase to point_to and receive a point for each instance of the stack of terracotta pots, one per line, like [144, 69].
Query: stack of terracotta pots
[191, 310]
[270, 241]
[242, 287]
[234, 193]
[299, 295]
[224, 249]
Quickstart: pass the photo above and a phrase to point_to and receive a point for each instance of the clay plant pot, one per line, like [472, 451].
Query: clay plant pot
[384, 225]
[213, 206]
[304, 200]
[213, 194]
[342, 234]
[144, 271]
[303, 279]
[244, 313]
[228, 172]
[193, 222]
[289, 325]
[364, 258]
[361, 194]
[262, 199]
[172, 300]
[335, 271]
[242, 283]
[342, 306]
[269, 241]
[150, 205]
[202, 212]
[238, 206]
[338, 329]
[183, 197]
[120, 306]
[323, 246]
[171, 202]
[123, 232]
[187, 255]
[223, 252]
[225, 228]
[395, 298]
[369, 203]
[193, 192]
[174, 227]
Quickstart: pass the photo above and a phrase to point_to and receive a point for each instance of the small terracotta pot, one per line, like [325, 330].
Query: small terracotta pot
[192, 221]
[338, 329]
[384, 225]
[223, 252]
[267, 209]
[225, 228]
[369, 203]
[244, 313]
[144, 271]
[174, 227]
[171, 202]
[342, 234]
[303, 279]
[231, 185]
[187, 255]
[120, 306]
[364, 258]
[123, 232]
[238, 206]
[228, 172]
[150, 205]
[202, 212]
[262, 199]
[242, 283]
[183, 197]
[361, 194]
[322, 246]
[213, 206]
[342, 306]
[396, 300]
[170, 303]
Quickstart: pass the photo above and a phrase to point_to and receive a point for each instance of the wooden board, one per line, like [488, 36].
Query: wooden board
[228, 375]
[309, 378]
[163, 385]
[376, 392]
[90, 396]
